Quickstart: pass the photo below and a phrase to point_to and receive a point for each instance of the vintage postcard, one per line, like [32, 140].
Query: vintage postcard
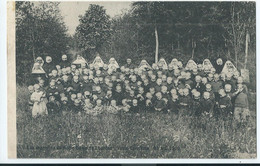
[132, 80]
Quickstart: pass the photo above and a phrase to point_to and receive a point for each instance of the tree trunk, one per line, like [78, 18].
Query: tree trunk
[157, 44]
[246, 49]
[234, 34]
[193, 45]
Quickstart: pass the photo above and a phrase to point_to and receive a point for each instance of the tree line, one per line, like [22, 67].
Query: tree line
[148, 30]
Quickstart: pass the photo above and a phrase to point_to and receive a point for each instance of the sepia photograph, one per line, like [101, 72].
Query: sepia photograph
[135, 79]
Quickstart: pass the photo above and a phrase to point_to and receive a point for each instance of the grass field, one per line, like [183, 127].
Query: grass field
[148, 135]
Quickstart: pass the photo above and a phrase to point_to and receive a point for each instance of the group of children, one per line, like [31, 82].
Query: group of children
[194, 89]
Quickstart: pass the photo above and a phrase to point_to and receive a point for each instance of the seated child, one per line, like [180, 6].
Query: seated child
[98, 109]
[207, 104]
[113, 108]
[88, 106]
[173, 103]
[134, 107]
[159, 104]
[126, 107]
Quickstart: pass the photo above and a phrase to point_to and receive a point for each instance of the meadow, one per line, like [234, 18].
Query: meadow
[128, 135]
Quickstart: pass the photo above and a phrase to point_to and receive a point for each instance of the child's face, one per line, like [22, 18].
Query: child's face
[54, 74]
[164, 78]
[113, 78]
[133, 79]
[146, 81]
[113, 103]
[141, 90]
[206, 96]
[118, 89]
[87, 101]
[139, 83]
[52, 98]
[159, 96]
[52, 84]
[197, 79]
[134, 102]
[227, 89]
[98, 103]
[128, 61]
[186, 93]
[132, 93]
[149, 96]
[159, 82]
[76, 80]
[204, 80]
[169, 80]
[96, 81]
[152, 90]
[239, 80]
[164, 90]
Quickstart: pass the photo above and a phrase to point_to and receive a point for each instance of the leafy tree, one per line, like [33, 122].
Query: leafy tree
[93, 30]
[40, 31]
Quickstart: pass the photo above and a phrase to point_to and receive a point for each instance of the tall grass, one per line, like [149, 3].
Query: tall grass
[148, 135]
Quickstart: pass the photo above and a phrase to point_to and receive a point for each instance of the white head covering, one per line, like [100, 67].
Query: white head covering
[98, 62]
[144, 65]
[229, 67]
[37, 69]
[207, 65]
[174, 62]
[113, 65]
[191, 65]
[79, 61]
[164, 64]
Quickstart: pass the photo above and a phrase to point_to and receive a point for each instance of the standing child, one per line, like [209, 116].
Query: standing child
[224, 105]
[39, 106]
[241, 112]
[64, 105]
[30, 102]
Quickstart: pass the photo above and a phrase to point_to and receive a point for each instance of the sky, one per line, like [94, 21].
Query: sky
[71, 11]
